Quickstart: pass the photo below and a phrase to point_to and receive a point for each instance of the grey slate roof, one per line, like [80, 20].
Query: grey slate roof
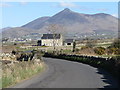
[51, 36]
[68, 40]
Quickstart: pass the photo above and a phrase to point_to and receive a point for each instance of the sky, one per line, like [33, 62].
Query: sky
[15, 14]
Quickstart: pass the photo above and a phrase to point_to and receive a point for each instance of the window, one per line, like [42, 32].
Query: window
[68, 43]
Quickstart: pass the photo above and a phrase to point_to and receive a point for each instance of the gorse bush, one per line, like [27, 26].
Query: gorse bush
[100, 50]
[114, 48]
[116, 43]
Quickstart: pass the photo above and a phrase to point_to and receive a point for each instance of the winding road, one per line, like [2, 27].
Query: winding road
[66, 74]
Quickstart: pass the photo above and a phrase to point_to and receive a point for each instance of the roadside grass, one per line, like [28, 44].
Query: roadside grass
[32, 48]
[67, 51]
[103, 45]
[0, 82]
[0, 75]
[108, 55]
[20, 71]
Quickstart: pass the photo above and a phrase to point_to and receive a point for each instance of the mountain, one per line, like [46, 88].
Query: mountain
[6, 28]
[16, 32]
[36, 24]
[73, 22]
[67, 17]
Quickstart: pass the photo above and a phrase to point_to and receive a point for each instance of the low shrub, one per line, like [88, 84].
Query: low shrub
[100, 50]
[84, 47]
[114, 48]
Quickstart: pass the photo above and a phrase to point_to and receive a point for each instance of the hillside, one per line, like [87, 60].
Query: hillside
[73, 22]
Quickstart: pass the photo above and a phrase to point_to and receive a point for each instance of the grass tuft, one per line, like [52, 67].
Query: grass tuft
[20, 71]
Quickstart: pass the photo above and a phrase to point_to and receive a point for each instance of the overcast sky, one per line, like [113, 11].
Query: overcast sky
[15, 14]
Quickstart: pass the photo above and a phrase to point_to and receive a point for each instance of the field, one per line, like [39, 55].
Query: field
[8, 47]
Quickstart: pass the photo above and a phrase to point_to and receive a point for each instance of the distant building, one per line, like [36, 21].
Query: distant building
[51, 39]
[68, 42]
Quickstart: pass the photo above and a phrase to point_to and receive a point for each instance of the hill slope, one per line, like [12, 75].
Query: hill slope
[72, 22]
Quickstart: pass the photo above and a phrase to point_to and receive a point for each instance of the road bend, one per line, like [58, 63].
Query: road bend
[67, 74]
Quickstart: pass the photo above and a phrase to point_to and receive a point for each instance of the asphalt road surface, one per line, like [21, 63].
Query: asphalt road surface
[66, 74]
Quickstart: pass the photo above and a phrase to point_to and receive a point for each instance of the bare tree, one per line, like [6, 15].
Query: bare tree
[56, 30]
[90, 43]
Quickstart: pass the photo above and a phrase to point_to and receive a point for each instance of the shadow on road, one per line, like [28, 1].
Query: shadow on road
[106, 77]
[111, 82]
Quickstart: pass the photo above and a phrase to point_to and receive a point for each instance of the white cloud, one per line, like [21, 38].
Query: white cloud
[23, 2]
[67, 4]
[102, 9]
[4, 5]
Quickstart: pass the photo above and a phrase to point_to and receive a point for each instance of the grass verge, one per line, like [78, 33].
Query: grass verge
[19, 71]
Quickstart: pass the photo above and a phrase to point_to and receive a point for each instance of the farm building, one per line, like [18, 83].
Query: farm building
[68, 42]
[52, 39]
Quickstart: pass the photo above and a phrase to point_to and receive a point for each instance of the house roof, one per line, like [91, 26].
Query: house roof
[51, 36]
[68, 40]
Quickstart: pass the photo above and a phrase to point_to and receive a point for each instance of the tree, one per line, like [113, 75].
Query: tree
[90, 43]
[56, 30]
[39, 43]
[14, 52]
[74, 46]
[15, 43]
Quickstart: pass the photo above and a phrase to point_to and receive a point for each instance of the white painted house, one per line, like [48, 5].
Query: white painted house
[51, 39]
[68, 42]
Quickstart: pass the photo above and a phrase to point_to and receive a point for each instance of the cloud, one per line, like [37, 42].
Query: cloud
[23, 2]
[102, 9]
[5, 5]
[67, 4]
